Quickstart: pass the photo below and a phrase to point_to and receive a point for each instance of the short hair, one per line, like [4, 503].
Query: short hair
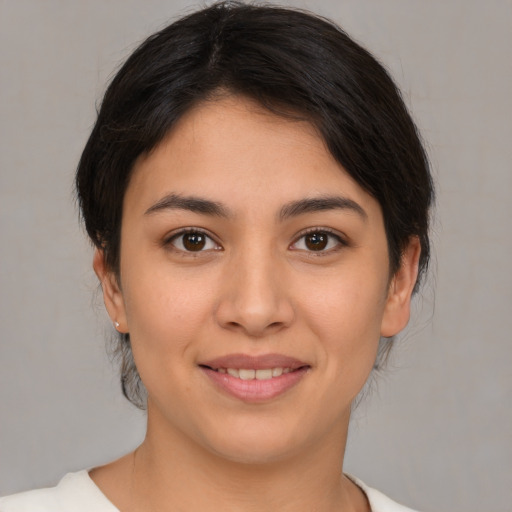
[293, 63]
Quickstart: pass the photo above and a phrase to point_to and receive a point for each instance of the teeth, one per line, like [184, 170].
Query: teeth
[247, 374]
[250, 374]
[264, 374]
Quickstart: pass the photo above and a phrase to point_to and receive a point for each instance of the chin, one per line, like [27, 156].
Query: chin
[254, 454]
[264, 443]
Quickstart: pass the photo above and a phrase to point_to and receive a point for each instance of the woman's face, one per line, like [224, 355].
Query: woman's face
[254, 283]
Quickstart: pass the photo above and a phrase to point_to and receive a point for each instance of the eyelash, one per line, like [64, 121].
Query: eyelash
[169, 241]
[340, 241]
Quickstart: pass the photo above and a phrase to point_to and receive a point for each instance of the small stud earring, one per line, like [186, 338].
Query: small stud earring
[116, 324]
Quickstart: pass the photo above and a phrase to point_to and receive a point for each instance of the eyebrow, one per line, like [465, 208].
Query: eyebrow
[190, 203]
[292, 209]
[318, 204]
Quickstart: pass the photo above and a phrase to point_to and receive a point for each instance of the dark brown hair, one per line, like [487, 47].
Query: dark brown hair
[292, 63]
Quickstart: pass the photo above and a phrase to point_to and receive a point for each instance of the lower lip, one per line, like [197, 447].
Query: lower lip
[255, 390]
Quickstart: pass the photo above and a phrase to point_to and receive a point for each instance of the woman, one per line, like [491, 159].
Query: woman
[259, 200]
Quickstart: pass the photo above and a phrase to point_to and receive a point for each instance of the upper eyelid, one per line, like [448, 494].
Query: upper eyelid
[342, 243]
[317, 229]
[183, 231]
[336, 234]
[191, 229]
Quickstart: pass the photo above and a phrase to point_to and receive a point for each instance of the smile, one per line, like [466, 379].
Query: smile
[250, 374]
[254, 379]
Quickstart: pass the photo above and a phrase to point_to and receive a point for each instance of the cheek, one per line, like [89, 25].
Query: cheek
[345, 313]
[350, 304]
[165, 313]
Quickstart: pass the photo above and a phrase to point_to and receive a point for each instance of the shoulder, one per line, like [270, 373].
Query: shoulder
[379, 502]
[76, 492]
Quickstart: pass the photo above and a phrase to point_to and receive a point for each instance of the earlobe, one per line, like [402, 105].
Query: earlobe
[112, 294]
[398, 302]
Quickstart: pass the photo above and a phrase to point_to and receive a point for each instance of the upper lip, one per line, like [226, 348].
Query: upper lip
[261, 362]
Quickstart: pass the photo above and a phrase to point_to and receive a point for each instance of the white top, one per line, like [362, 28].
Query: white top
[76, 492]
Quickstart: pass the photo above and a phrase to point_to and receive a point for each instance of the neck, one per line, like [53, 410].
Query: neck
[171, 471]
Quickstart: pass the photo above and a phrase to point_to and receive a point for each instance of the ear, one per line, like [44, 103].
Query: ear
[112, 294]
[398, 302]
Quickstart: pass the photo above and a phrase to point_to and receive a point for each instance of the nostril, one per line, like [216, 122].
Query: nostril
[255, 317]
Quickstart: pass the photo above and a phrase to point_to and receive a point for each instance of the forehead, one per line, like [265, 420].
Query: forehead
[235, 151]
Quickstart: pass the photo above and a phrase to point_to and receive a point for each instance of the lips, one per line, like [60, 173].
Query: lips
[254, 378]
[250, 374]
[254, 362]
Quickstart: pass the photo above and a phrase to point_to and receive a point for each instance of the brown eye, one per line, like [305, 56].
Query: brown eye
[193, 241]
[316, 241]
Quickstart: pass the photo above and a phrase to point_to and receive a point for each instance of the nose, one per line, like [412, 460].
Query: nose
[255, 299]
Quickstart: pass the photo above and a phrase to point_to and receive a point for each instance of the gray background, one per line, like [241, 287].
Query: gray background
[436, 433]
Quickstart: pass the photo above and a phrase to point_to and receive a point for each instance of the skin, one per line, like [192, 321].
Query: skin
[256, 288]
